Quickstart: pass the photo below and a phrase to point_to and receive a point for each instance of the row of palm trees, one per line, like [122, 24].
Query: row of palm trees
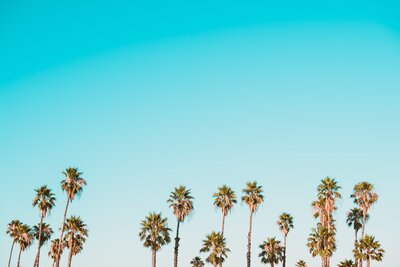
[73, 231]
[155, 232]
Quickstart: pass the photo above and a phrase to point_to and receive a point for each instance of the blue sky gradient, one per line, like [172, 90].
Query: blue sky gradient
[143, 97]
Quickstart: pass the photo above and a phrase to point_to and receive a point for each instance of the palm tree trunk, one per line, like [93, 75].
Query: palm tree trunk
[363, 224]
[11, 252]
[19, 257]
[272, 264]
[368, 263]
[70, 257]
[249, 240]
[61, 234]
[284, 251]
[36, 264]
[153, 258]
[223, 223]
[176, 248]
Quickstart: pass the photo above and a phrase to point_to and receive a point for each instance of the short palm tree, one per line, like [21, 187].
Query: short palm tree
[12, 231]
[197, 262]
[181, 201]
[365, 197]
[53, 252]
[155, 234]
[355, 219]
[271, 251]
[322, 242]
[367, 249]
[225, 199]
[45, 201]
[76, 233]
[215, 243]
[301, 263]
[73, 186]
[45, 233]
[347, 263]
[253, 198]
[25, 239]
[285, 223]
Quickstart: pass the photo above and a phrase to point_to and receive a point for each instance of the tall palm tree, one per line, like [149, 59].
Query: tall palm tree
[253, 198]
[285, 223]
[12, 231]
[73, 186]
[76, 233]
[197, 262]
[53, 252]
[45, 201]
[328, 190]
[271, 251]
[301, 263]
[25, 239]
[225, 199]
[155, 233]
[181, 201]
[367, 249]
[365, 197]
[347, 263]
[215, 243]
[322, 242]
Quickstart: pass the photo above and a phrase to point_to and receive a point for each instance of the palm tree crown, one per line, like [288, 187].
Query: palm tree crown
[215, 243]
[271, 251]
[301, 263]
[347, 263]
[53, 252]
[73, 183]
[321, 241]
[45, 233]
[44, 200]
[181, 201]
[285, 223]
[154, 231]
[355, 219]
[367, 249]
[253, 196]
[225, 199]
[197, 262]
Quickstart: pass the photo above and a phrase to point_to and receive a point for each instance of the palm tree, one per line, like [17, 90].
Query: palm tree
[45, 233]
[53, 252]
[328, 191]
[301, 263]
[155, 233]
[12, 231]
[76, 233]
[225, 199]
[253, 198]
[347, 263]
[271, 251]
[197, 262]
[181, 202]
[73, 186]
[322, 242]
[365, 197]
[24, 239]
[355, 219]
[367, 249]
[215, 243]
[285, 223]
[45, 201]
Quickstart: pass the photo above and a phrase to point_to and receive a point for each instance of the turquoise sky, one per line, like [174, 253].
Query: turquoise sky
[144, 96]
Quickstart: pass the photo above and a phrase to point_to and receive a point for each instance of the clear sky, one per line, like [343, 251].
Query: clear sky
[144, 96]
